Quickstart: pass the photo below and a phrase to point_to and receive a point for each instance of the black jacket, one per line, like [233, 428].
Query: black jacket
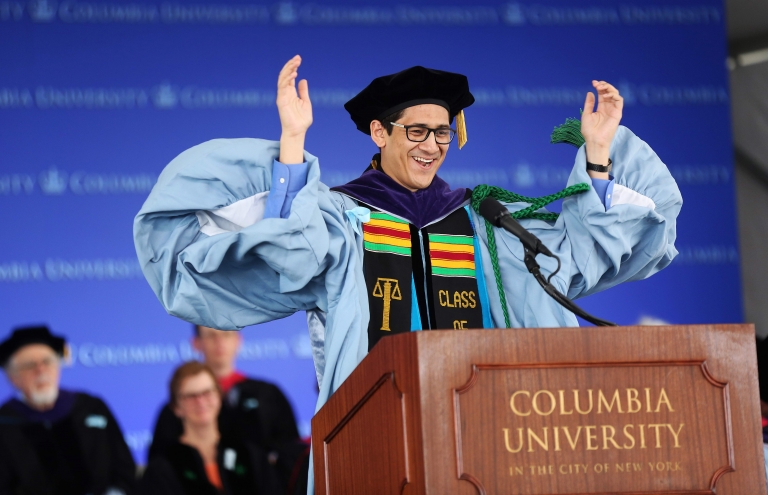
[179, 470]
[254, 411]
[80, 453]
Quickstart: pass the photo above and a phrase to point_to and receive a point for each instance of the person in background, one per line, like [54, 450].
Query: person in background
[203, 460]
[254, 410]
[761, 345]
[54, 441]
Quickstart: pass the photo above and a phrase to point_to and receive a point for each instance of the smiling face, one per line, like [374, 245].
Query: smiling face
[412, 165]
[197, 400]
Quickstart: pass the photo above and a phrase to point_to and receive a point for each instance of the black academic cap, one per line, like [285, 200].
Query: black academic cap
[30, 335]
[415, 86]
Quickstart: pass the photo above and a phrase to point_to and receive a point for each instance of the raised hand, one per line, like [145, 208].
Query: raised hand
[295, 111]
[599, 126]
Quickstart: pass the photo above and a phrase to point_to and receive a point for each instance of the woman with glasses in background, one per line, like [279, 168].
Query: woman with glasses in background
[202, 461]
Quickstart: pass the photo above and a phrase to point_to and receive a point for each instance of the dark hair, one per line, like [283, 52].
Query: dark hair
[196, 330]
[186, 370]
[385, 122]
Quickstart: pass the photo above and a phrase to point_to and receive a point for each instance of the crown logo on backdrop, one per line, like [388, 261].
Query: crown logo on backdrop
[42, 10]
[513, 14]
[627, 91]
[53, 182]
[523, 176]
[165, 96]
[286, 13]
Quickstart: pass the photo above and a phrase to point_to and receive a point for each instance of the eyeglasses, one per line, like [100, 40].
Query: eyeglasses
[206, 394]
[419, 133]
[29, 366]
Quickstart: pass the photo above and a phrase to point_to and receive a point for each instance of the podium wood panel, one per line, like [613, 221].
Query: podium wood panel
[674, 410]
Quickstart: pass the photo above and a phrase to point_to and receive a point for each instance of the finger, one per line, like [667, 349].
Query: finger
[604, 86]
[287, 78]
[605, 91]
[287, 72]
[304, 90]
[289, 67]
[589, 105]
[613, 99]
[609, 94]
[295, 61]
[287, 89]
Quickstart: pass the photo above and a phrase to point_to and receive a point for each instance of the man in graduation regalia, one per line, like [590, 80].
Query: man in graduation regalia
[53, 441]
[241, 231]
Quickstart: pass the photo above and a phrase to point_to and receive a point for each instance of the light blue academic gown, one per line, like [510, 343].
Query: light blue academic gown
[212, 258]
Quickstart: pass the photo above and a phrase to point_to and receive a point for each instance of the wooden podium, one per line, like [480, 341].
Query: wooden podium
[622, 410]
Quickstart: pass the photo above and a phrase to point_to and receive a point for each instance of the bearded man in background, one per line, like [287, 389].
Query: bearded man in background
[54, 441]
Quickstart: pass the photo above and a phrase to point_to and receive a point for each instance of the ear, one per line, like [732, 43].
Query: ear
[12, 378]
[378, 133]
[196, 344]
[176, 411]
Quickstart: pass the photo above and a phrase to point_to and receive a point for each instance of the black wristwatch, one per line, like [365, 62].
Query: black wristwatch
[600, 168]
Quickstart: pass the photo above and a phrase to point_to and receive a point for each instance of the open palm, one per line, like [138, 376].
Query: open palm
[599, 126]
[294, 106]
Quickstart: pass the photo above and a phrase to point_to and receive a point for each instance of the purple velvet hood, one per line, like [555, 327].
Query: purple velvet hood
[377, 189]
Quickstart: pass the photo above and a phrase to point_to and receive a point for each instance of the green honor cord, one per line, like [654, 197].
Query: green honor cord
[483, 191]
[569, 133]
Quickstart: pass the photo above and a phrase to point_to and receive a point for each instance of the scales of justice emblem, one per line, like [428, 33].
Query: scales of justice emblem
[388, 289]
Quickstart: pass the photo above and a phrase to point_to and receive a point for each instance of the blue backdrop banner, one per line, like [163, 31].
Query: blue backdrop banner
[97, 96]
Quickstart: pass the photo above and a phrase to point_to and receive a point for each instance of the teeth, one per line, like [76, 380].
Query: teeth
[423, 160]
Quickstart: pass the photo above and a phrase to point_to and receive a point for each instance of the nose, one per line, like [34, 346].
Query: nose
[41, 367]
[430, 144]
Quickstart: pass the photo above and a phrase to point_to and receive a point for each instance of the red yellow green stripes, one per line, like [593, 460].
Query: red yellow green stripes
[452, 255]
[387, 234]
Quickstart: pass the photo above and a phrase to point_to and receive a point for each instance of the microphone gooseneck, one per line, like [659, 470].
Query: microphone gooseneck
[498, 215]
[492, 209]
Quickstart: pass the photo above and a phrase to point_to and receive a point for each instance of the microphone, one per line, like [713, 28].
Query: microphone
[498, 215]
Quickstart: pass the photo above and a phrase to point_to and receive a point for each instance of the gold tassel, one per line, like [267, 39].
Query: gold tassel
[461, 128]
[67, 355]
